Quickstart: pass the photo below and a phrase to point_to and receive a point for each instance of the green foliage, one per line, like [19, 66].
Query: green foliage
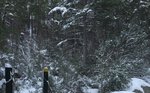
[114, 82]
[55, 2]
[110, 3]
[3, 35]
[107, 4]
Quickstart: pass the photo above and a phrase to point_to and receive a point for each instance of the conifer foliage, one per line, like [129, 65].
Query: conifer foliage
[85, 43]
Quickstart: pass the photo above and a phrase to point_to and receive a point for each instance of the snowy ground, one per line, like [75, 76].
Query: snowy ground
[134, 84]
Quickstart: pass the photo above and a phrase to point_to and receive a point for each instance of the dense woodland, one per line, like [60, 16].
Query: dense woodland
[85, 43]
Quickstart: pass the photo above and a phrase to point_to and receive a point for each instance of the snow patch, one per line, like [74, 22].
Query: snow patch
[7, 57]
[8, 65]
[90, 10]
[43, 52]
[85, 10]
[3, 56]
[2, 82]
[57, 80]
[68, 25]
[89, 90]
[62, 9]
[11, 14]
[55, 21]
[92, 91]
[137, 84]
[29, 90]
[26, 87]
[61, 42]
[123, 92]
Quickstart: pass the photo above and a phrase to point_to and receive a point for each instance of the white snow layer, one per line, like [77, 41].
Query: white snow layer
[123, 92]
[30, 90]
[90, 90]
[26, 87]
[8, 65]
[61, 42]
[2, 82]
[62, 9]
[138, 84]
[43, 52]
[135, 84]
[3, 56]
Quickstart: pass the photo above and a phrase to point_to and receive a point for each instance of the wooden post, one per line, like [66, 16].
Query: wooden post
[9, 80]
[45, 81]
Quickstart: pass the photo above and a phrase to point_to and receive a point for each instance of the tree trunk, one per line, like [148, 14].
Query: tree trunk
[85, 43]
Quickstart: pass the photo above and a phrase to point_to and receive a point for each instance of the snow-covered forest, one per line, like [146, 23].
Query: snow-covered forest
[89, 46]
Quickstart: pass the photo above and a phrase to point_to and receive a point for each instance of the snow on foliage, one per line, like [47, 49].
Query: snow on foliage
[144, 4]
[83, 11]
[26, 87]
[61, 42]
[27, 90]
[11, 14]
[135, 84]
[62, 9]
[2, 82]
[3, 56]
[7, 57]
[55, 21]
[57, 80]
[43, 52]
[90, 90]
[8, 65]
